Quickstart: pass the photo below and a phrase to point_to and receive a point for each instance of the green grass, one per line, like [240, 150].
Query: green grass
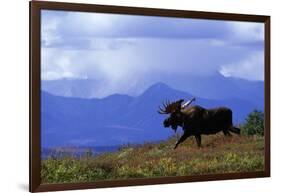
[219, 154]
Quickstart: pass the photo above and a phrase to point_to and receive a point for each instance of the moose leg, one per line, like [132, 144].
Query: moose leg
[182, 138]
[226, 132]
[235, 130]
[198, 140]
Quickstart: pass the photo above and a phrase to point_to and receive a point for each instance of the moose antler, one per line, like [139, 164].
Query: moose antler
[188, 103]
[170, 107]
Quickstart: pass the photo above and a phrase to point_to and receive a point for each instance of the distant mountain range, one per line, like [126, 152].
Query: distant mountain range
[119, 119]
[215, 86]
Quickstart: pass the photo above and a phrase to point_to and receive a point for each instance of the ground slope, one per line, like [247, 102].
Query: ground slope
[219, 154]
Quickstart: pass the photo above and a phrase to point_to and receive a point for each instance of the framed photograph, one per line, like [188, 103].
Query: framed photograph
[123, 96]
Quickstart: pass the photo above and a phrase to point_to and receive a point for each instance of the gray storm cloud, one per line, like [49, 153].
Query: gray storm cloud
[123, 51]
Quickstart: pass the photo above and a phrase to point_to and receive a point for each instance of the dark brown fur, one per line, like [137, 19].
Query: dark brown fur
[197, 121]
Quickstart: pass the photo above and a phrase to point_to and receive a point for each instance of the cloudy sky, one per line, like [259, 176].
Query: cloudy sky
[122, 50]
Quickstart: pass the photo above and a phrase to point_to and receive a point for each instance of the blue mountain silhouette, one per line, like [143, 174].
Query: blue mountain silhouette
[118, 119]
[214, 86]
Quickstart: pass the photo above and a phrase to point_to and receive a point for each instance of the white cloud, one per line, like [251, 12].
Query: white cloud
[58, 26]
[140, 60]
[123, 51]
[251, 68]
[49, 27]
[246, 31]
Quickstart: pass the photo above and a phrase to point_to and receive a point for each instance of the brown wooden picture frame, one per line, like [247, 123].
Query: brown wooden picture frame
[35, 160]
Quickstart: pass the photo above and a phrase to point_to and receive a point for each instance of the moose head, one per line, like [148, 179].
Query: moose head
[176, 115]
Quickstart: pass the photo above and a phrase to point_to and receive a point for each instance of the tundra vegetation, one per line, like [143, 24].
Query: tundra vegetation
[217, 155]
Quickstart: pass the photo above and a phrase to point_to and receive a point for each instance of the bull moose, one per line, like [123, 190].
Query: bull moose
[196, 120]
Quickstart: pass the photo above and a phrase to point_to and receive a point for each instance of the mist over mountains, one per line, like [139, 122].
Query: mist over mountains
[119, 119]
[215, 86]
